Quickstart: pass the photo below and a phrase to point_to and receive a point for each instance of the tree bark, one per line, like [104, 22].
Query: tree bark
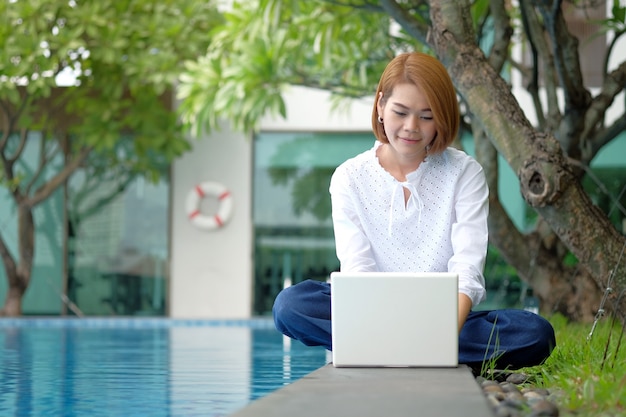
[19, 274]
[13, 303]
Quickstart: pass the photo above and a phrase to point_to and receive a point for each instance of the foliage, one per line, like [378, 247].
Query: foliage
[253, 58]
[120, 59]
[616, 22]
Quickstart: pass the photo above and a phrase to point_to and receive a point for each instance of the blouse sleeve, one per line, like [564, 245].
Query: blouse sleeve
[470, 232]
[353, 247]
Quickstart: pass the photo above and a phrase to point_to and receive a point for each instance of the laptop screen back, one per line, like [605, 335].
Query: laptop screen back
[394, 319]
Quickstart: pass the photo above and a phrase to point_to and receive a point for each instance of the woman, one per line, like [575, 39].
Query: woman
[414, 204]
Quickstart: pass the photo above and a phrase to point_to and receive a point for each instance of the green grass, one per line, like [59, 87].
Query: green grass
[588, 374]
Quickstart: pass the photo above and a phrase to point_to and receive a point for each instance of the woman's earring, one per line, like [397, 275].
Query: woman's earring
[380, 120]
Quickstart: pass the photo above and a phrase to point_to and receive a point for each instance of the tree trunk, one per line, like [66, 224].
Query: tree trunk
[19, 277]
[13, 303]
[574, 296]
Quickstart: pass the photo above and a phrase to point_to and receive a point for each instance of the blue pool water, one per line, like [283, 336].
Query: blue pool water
[143, 367]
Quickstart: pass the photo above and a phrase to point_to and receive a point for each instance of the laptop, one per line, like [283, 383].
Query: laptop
[393, 319]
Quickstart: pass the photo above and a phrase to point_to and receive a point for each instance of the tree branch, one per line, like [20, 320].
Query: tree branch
[566, 58]
[7, 127]
[102, 201]
[567, 64]
[44, 159]
[614, 83]
[533, 74]
[542, 58]
[7, 259]
[501, 35]
[609, 50]
[12, 118]
[9, 162]
[20, 148]
[50, 186]
[413, 26]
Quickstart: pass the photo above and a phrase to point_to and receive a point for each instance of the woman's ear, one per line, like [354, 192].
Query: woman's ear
[380, 104]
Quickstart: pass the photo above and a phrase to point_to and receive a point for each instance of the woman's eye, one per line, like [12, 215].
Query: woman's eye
[399, 113]
[427, 117]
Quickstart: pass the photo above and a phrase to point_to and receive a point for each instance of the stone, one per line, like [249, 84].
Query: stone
[516, 378]
[508, 387]
[533, 394]
[488, 382]
[492, 388]
[514, 395]
[544, 408]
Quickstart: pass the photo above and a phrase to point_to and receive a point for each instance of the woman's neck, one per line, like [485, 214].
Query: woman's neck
[398, 165]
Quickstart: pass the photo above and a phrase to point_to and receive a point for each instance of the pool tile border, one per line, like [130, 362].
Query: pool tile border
[131, 322]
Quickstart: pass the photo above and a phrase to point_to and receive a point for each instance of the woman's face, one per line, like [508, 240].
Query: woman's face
[408, 120]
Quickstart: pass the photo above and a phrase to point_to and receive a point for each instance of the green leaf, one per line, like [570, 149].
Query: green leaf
[618, 11]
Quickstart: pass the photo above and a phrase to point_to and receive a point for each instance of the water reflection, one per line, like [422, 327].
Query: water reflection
[278, 362]
[156, 371]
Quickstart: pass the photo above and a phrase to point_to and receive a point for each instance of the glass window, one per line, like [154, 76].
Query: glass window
[291, 207]
[118, 249]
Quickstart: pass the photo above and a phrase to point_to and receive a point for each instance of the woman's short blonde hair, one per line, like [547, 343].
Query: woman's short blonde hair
[431, 77]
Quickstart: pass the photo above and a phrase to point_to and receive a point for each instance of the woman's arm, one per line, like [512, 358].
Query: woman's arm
[470, 233]
[465, 305]
[353, 247]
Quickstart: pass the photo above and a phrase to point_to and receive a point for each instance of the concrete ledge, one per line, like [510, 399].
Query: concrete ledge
[376, 392]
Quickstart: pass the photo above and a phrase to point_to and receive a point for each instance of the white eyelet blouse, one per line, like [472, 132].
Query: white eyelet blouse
[442, 227]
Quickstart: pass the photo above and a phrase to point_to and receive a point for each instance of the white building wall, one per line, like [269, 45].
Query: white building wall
[313, 110]
[210, 270]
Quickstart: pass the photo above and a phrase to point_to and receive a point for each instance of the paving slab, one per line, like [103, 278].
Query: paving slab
[376, 392]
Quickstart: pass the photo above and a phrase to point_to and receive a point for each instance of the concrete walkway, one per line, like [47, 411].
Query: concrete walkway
[376, 392]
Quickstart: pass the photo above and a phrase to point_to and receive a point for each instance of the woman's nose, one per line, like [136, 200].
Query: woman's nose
[412, 124]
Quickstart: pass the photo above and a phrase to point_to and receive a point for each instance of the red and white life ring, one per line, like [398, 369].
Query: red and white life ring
[224, 211]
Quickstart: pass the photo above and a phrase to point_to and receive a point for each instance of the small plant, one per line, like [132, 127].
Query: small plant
[488, 368]
[608, 346]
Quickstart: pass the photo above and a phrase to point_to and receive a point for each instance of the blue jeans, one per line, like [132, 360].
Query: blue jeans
[513, 338]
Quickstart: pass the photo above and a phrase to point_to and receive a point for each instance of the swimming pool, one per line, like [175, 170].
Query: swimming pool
[144, 367]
